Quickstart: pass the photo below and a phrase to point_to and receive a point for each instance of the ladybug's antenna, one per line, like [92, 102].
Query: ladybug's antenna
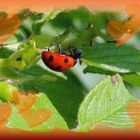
[60, 49]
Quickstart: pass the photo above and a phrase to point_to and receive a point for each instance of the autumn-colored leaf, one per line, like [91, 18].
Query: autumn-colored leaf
[25, 101]
[133, 110]
[5, 112]
[106, 105]
[115, 28]
[133, 12]
[121, 32]
[36, 117]
[8, 26]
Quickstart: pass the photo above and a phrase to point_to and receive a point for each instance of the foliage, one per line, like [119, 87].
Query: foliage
[61, 99]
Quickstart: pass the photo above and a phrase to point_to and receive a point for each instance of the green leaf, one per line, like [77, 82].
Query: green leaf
[16, 121]
[42, 41]
[65, 95]
[38, 71]
[37, 16]
[35, 72]
[97, 70]
[80, 18]
[6, 91]
[36, 27]
[109, 58]
[23, 56]
[106, 104]
[5, 52]
[55, 121]
[133, 79]
[100, 21]
[84, 25]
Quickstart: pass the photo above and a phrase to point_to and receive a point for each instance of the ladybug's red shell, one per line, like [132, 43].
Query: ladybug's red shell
[58, 62]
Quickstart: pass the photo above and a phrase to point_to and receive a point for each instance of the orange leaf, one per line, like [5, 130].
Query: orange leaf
[5, 112]
[36, 117]
[133, 109]
[115, 28]
[121, 32]
[131, 29]
[25, 102]
[133, 12]
[8, 26]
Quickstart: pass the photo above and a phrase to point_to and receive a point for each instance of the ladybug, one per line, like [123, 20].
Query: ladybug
[59, 61]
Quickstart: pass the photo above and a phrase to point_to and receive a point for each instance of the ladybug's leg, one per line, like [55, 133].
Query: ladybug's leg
[60, 49]
[72, 53]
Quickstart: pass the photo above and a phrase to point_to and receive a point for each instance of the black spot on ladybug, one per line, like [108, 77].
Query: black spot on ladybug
[58, 68]
[51, 58]
[66, 60]
[19, 59]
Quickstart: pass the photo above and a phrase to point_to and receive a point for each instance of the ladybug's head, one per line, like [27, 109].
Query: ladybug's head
[75, 53]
